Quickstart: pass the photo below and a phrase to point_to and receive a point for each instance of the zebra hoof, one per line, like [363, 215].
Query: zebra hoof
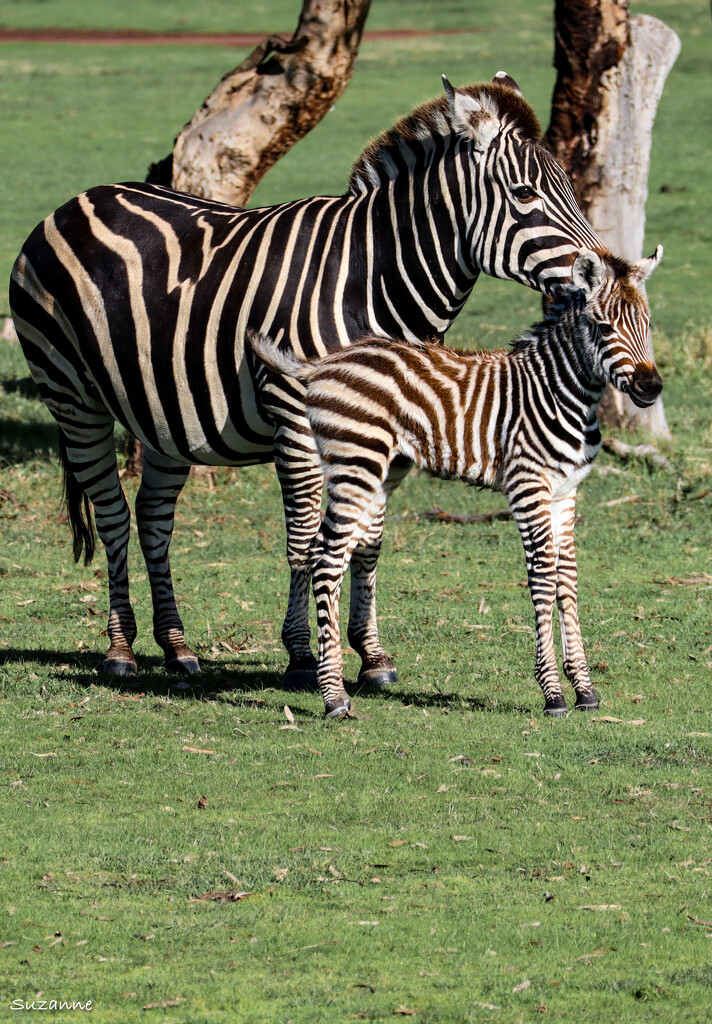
[556, 708]
[187, 666]
[587, 701]
[119, 666]
[301, 675]
[338, 710]
[377, 678]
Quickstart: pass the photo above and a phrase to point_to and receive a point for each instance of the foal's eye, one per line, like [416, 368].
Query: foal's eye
[606, 331]
[524, 193]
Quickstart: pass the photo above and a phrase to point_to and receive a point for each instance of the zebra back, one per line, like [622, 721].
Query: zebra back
[472, 415]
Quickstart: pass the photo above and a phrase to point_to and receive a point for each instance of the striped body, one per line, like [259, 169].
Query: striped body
[521, 421]
[132, 303]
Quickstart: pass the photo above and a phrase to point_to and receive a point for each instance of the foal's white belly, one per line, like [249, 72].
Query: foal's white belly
[563, 485]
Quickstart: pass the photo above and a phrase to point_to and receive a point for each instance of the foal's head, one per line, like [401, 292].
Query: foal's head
[618, 310]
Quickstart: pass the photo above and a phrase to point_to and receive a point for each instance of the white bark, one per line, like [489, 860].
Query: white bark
[631, 93]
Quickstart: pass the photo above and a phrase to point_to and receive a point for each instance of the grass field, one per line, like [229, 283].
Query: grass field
[449, 855]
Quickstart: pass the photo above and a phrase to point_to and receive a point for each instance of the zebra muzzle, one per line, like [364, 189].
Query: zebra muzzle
[645, 386]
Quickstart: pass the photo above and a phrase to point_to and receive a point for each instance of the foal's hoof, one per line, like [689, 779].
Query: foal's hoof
[556, 708]
[377, 678]
[301, 674]
[119, 666]
[586, 701]
[188, 665]
[338, 710]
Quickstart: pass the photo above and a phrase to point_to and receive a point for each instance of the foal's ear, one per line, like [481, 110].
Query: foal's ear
[642, 270]
[588, 271]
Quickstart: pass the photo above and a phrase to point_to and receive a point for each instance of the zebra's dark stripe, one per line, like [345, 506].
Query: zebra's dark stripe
[132, 303]
[523, 422]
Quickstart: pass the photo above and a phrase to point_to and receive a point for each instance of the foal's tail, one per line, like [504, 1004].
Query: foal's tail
[78, 508]
[278, 360]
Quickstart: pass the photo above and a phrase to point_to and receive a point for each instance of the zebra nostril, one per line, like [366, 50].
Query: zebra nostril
[645, 386]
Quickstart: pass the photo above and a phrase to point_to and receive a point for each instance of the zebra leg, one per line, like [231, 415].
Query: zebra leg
[91, 460]
[377, 667]
[531, 508]
[161, 483]
[299, 472]
[345, 525]
[563, 513]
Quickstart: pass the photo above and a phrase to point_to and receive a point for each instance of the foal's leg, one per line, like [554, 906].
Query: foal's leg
[90, 456]
[377, 667]
[161, 483]
[347, 521]
[531, 507]
[299, 472]
[301, 479]
[563, 513]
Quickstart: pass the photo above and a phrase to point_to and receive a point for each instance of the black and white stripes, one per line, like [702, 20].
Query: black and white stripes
[132, 303]
[523, 422]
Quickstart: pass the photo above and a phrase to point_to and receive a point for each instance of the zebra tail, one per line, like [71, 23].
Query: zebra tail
[278, 360]
[78, 509]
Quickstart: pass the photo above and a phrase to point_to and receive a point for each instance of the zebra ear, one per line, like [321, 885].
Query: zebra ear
[642, 270]
[474, 116]
[588, 271]
[504, 79]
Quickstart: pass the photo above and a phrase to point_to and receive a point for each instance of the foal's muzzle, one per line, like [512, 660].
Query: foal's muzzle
[645, 386]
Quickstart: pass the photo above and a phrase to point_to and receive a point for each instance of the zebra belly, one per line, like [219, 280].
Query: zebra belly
[186, 442]
[564, 483]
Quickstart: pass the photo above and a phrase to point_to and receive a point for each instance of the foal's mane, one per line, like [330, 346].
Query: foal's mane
[566, 305]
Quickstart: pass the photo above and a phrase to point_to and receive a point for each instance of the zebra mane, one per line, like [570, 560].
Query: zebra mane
[433, 121]
[567, 303]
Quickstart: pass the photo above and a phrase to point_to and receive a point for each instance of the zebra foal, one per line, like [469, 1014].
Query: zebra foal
[520, 421]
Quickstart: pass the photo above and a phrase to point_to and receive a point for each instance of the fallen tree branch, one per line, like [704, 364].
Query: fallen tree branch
[647, 452]
[696, 920]
[452, 517]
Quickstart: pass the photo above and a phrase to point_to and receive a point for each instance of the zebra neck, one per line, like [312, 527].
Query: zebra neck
[560, 360]
[419, 270]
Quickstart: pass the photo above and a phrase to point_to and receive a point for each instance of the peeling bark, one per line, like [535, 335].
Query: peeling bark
[590, 38]
[266, 104]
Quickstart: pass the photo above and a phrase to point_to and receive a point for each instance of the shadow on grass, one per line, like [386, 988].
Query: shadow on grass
[25, 387]
[152, 677]
[21, 442]
[218, 681]
[450, 701]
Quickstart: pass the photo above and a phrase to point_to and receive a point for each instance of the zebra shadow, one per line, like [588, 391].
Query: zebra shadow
[450, 702]
[84, 668]
[20, 442]
[226, 682]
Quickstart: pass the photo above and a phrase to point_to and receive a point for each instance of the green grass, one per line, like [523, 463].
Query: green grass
[331, 825]
[467, 832]
[220, 16]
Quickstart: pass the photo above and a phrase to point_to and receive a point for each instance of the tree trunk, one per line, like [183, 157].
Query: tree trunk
[259, 110]
[266, 104]
[611, 72]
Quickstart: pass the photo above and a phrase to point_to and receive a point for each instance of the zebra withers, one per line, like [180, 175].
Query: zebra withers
[132, 302]
[520, 421]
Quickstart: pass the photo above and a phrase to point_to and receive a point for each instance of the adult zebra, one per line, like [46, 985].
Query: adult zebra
[132, 303]
[522, 422]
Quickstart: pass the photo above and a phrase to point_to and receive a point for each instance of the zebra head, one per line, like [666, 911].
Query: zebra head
[526, 225]
[617, 309]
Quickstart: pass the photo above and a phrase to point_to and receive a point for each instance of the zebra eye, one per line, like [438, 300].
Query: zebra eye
[606, 331]
[524, 193]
